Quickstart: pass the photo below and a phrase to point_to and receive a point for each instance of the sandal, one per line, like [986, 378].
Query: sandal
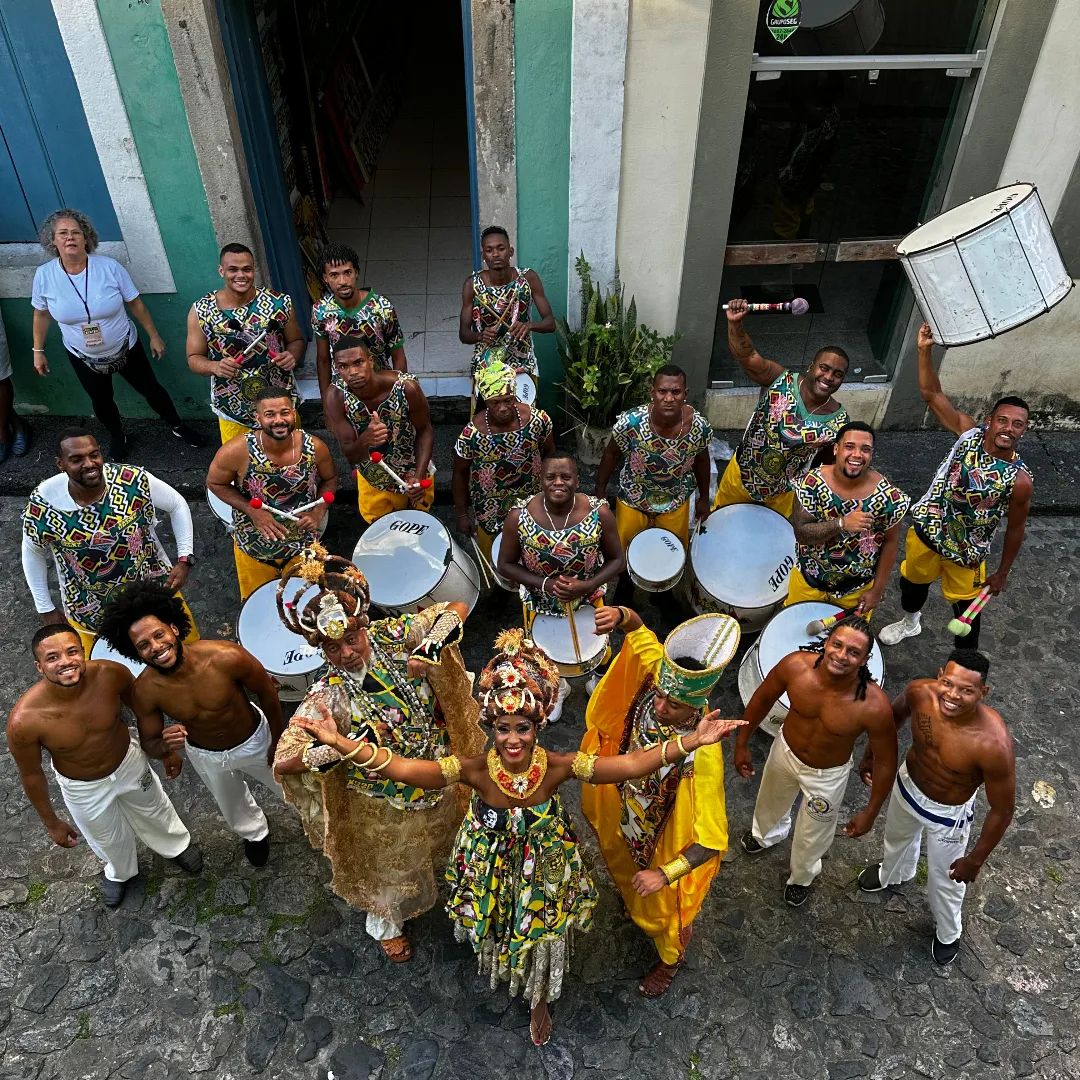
[656, 983]
[397, 949]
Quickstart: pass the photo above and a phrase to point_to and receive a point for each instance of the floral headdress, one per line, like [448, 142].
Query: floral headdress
[340, 605]
[519, 680]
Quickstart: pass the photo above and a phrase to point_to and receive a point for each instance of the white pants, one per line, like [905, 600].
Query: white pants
[947, 830]
[382, 929]
[784, 776]
[127, 804]
[221, 773]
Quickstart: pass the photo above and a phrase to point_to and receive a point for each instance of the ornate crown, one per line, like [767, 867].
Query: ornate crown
[340, 605]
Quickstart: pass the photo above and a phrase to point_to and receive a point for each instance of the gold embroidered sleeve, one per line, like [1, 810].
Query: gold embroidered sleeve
[447, 630]
[677, 868]
[450, 767]
[583, 766]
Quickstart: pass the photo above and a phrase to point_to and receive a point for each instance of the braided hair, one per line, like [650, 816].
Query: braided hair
[853, 622]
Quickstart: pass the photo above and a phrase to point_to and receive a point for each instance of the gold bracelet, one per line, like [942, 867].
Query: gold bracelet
[584, 765]
[624, 614]
[663, 751]
[450, 767]
[677, 868]
[682, 749]
[379, 768]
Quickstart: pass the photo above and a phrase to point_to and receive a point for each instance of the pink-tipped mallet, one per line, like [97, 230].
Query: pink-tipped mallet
[820, 626]
[798, 306]
[258, 504]
[378, 459]
[325, 499]
[962, 627]
[251, 345]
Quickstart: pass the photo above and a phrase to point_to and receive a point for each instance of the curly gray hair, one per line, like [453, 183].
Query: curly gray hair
[48, 229]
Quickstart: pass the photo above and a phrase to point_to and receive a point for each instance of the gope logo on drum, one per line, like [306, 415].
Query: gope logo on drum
[408, 527]
[779, 575]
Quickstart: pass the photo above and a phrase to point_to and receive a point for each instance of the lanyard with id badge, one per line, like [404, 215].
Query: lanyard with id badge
[91, 330]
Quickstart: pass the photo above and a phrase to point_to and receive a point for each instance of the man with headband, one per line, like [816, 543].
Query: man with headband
[662, 836]
[399, 683]
[497, 455]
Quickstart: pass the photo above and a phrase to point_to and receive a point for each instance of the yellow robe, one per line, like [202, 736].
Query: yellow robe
[697, 817]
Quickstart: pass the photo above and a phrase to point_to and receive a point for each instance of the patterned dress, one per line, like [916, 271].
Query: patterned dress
[848, 561]
[101, 547]
[505, 466]
[576, 551]
[400, 452]
[657, 474]
[228, 333]
[504, 305]
[285, 487]
[375, 320]
[781, 438]
[518, 888]
[966, 500]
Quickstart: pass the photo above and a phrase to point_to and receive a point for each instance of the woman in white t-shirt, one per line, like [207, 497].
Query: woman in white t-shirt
[86, 294]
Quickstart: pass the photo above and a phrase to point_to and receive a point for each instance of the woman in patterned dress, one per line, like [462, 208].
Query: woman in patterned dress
[518, 887]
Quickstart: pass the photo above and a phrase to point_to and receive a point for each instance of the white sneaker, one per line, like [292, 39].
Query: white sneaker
[564, 693]
[591, 683]
[895, 632]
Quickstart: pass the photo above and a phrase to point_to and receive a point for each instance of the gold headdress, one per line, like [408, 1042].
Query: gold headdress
[519, 680]
[340, 605]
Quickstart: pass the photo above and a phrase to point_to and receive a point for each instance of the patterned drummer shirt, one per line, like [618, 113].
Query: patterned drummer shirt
[576, 551]
[504, 305]
[283, 486]
[966, 500]
[505, 466]
[781, 438]
[101, 547]
[228, 333]
[400, 451]
[657, 473]
[375, 320]
[848, 561]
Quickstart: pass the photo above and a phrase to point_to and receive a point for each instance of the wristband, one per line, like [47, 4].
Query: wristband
[677, 868]
[36, 349]
[584, 765]
[450, 767]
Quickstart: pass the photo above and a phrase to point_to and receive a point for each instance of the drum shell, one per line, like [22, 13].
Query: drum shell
[103, 651]
[504, 582]
[223, 512]
[551, 633]
[525, 388]
[650, 585]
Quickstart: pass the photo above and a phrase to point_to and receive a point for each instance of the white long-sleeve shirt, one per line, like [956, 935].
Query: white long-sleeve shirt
[54, 493]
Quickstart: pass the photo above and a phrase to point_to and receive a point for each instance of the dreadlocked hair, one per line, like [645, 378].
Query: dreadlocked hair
[852, 622]
[135, 602]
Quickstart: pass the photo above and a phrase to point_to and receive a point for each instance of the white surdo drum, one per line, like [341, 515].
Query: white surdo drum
[526, 388]
[655, 560]
[506, 583]
[552, 634]
[740, 559]
[221, 510]
[102, 650]
[785, 633]
[287, 657]
[411, 561]
[986, 266]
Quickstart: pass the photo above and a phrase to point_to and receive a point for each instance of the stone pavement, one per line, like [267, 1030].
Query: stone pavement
[240, 972]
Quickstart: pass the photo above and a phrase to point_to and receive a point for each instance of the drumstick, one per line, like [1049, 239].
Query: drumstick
[258, 504]
[962, 627]
[247, 352]
[573, 630]
[819, 626]
[482, 562]
[327, 497]
[378, 459]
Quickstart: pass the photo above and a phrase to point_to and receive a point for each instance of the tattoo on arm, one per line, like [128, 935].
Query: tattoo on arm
[926, 727]
[811, 532]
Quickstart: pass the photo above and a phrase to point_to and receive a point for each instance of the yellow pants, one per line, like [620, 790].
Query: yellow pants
[731, 490]
[88, 637]
[799, 589]
[923, 566]
[230, 429]
[375, 503]
[251, 573]
[629, 522]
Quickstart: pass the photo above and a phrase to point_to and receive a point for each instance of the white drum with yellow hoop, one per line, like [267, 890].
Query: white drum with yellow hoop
[572, 655]
[504, 582]
[655, 560]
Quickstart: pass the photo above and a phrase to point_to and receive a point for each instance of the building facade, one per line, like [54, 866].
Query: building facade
[710, 149]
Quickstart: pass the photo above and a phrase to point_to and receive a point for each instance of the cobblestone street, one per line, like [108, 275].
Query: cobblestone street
[241, 972]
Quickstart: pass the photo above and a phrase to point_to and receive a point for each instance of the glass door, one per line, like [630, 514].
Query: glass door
[841, 156]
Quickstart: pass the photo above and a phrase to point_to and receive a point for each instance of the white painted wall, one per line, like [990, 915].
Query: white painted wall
[665, 68]
[597, 68]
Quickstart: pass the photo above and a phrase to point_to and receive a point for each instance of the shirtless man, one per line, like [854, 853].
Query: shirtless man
[833, 701]
[958, 743]
[106, 782]
[204, 686]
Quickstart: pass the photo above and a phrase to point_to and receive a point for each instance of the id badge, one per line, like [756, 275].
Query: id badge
[91, 333]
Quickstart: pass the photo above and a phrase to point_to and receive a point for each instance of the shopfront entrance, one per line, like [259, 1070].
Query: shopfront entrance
[851, 127]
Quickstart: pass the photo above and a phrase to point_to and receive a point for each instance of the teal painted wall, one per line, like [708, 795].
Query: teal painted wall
[145, 71]
[543, 32]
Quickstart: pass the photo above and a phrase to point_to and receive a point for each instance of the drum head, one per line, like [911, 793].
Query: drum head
[552, 634]
[526, 388]
[964, 218]
[222, 510]
[102, 650]
[656, 555]
[742, 555]
[403, 555]
[260, 630]
[786, 632]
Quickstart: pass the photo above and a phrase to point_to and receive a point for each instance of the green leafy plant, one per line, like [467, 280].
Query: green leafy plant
[608, 364]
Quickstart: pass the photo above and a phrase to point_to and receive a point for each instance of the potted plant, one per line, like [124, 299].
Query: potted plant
[609, 363]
